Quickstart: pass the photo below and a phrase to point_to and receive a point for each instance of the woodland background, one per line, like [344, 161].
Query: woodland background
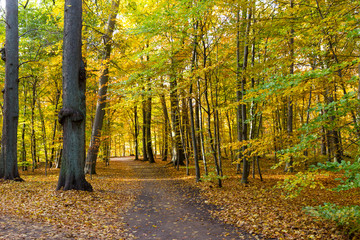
[220, 87]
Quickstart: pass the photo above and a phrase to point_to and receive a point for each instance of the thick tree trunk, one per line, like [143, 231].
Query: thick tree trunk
[8, 158]
[72, 115]
[101, 102]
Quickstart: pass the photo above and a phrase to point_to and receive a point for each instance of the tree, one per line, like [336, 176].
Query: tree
[136, 133]
[192, 121]
[147, 127]
[242, 86]
[147, 117]
[288, 165]
[8, 158]
[101, 102]
[72, 115]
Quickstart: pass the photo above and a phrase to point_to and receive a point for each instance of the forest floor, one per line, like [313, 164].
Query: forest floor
[34, 210]
[167, 208]
[131, 200]
[263, 207]
[138, 200]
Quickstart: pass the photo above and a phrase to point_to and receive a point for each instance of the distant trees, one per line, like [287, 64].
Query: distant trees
[284, 88]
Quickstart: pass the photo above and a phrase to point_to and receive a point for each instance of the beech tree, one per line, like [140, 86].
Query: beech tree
[72, 115]
[101, 102]
[8, 159]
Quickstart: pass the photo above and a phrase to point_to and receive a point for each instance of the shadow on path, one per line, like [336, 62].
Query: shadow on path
[167, 209]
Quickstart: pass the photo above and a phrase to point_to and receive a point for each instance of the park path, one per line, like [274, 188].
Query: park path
[167, 209]
[14, 228]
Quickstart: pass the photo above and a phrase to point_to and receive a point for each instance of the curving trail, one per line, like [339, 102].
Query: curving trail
[166, 209]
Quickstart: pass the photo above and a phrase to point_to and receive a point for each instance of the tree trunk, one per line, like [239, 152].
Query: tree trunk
[72, 115]
[43, 128]
[246, 166]
[217, 132]
[177, 148]
[144, 131]
[229, 123]
[107, 140]
[101, 103]
[149, 150]
[238, 85]
[57, 98]
[136, 134]
[23, 147]
[334, 136]
[208, 110]
[8, 158]
[290, 110]
[33, 137]
[191, 108]
[201, 132]
[166, 126]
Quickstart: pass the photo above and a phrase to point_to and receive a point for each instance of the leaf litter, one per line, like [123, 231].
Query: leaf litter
[87, 215]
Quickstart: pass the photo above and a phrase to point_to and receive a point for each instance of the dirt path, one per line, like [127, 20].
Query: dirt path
[165, 209]
[15, 228]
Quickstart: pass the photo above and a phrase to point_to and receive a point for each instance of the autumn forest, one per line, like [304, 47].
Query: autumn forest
[251, 108]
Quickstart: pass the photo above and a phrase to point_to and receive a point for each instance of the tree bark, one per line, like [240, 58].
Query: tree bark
[23, 147]
[57, 98]
[244, 133]
[149, 150]
[43, 129]
[8, 158]
[201, 132]
[191, 108]
[72, 115]
[33, 137]
[166, 126]
[238, 85]
[290, 110]
[144, 131]
[178, 155]
[101, 102]
[136, 134]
